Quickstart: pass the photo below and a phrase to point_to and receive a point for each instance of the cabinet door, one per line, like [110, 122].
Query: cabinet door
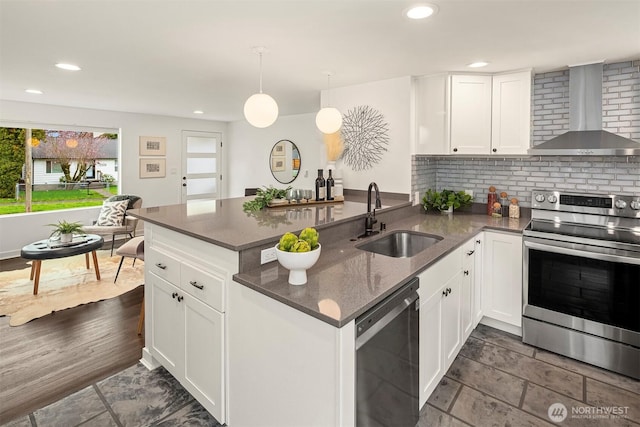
[204, 353]
[431, 367]
[511, 113]
[477, 277]
[451, 319]
[167, 326]
[502, 278]
[470, 114]
[432, 116]
[467, 288]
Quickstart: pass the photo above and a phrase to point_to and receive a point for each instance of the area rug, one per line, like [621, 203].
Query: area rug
[65, 283]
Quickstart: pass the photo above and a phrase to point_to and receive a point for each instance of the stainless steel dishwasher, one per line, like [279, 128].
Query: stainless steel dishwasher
[387, 361]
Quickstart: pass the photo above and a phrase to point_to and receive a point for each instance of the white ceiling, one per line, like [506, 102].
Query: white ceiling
[173, 57]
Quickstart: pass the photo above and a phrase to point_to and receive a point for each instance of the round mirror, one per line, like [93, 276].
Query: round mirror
[285, 161]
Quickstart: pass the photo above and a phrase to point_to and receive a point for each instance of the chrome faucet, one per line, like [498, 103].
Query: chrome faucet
[371, 215]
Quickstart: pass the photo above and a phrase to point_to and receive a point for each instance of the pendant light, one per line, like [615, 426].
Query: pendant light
[329, 119]
[260, 109]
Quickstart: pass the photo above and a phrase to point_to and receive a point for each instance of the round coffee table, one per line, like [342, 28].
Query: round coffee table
[46, 249]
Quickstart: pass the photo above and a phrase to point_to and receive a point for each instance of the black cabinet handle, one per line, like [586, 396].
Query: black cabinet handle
[455, 150]
[445, 293]
[449, 290]
[495, 150]
[195, 285]
[174, 295]
[478, 241]
[466, 272]
[161, 266]
[470, 252]
[180, 298]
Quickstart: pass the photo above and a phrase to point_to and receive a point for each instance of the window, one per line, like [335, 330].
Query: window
[53, 167]
[62, 161]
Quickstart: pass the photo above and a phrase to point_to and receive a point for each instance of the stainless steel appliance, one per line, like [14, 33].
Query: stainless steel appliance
[582, 278]
[387, 361]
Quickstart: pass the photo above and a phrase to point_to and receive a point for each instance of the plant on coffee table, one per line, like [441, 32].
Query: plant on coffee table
[66, 230]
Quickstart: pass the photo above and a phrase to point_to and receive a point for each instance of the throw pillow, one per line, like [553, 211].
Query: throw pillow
[112, 213]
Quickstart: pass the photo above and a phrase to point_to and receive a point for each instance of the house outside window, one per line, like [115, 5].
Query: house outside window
[53, 167]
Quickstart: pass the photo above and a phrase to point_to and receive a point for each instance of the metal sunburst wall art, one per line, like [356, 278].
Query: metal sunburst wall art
[365, 134]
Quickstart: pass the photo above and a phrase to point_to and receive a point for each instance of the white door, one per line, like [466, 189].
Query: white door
[201, 169]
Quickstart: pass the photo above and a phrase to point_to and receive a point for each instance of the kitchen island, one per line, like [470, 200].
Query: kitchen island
[282, 354]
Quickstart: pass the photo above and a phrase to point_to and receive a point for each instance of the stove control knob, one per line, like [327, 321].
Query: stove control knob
[552, 198]
[635, 205]
[621, 204]
[539, 198]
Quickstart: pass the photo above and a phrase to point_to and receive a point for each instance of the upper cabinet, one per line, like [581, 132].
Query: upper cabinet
[473, 114]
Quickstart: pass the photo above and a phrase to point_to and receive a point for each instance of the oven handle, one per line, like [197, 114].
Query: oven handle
[581, 253]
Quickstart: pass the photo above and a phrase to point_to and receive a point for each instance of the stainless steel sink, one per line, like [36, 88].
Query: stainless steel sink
[400, 244]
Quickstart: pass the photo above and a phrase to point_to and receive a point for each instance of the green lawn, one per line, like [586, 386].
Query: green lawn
[54, 200]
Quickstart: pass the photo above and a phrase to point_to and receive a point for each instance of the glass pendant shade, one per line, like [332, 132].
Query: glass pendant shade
[261, 110]
[329, 120]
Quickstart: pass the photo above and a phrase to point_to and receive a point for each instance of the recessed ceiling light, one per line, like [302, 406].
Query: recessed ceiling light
[68, 67]
[198, 112]
[421, 11]
[34, 91]
[478, 64]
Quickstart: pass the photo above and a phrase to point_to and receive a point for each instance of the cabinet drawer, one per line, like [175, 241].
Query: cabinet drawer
[163, 265]
[205, 286]
[436, 275]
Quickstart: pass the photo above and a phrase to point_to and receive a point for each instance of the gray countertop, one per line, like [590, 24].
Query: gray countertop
[347, 281]
[223, 222]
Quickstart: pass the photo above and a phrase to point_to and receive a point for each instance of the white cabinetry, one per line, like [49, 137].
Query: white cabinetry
[470, 114]
[502, 279]
[511, 113]
[473, 114]
[185, 328]
[448, 312]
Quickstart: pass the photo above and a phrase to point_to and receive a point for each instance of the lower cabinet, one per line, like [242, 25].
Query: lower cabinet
[440, 320]
[449, 295]
[186, 313]
[502, 278]
[187, 339]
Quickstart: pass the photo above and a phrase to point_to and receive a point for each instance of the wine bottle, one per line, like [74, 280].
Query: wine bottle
[320, 186]
[330, 185]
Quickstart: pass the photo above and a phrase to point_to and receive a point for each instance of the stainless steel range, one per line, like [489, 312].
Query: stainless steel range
[582, 278]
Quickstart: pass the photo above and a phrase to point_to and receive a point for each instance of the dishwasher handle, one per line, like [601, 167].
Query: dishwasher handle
[374, 320]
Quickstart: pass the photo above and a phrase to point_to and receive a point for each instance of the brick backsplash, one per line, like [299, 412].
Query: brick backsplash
[550, 117]
[518, 176]
[620, 102]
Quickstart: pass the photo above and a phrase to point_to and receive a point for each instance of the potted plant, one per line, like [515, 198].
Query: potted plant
[66, 230]
[446, 200]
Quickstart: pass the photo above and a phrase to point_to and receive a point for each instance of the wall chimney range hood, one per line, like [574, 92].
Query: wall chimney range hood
[585, 136]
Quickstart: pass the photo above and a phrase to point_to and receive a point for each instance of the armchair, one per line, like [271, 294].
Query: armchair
[126, 227]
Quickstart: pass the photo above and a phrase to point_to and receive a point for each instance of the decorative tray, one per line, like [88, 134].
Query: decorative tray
[77, 240]
[279, 203]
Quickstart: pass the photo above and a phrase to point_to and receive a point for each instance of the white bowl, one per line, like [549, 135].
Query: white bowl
[297, 263]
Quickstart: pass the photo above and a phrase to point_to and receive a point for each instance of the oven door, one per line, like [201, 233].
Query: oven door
[588, 288]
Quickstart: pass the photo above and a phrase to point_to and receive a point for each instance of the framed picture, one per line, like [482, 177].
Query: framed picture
[277, 164]
[279, 149]
[153, 145]
[152, 168]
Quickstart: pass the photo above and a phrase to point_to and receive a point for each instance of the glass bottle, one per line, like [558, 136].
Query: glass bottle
[330, 185]
[514, 209]
[492, 197]
[504, 201]
[320, 186]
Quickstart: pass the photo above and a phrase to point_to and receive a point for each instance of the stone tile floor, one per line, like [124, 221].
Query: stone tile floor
[495, 380]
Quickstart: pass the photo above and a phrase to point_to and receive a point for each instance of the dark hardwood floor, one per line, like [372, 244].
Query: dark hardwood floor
[53, 356]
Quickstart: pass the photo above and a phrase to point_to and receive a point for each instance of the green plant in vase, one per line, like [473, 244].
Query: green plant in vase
[445, 200]
[66, 230]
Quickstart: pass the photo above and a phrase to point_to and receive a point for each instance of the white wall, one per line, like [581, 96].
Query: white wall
[250, 147]
[20, 229]
[392, 98]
